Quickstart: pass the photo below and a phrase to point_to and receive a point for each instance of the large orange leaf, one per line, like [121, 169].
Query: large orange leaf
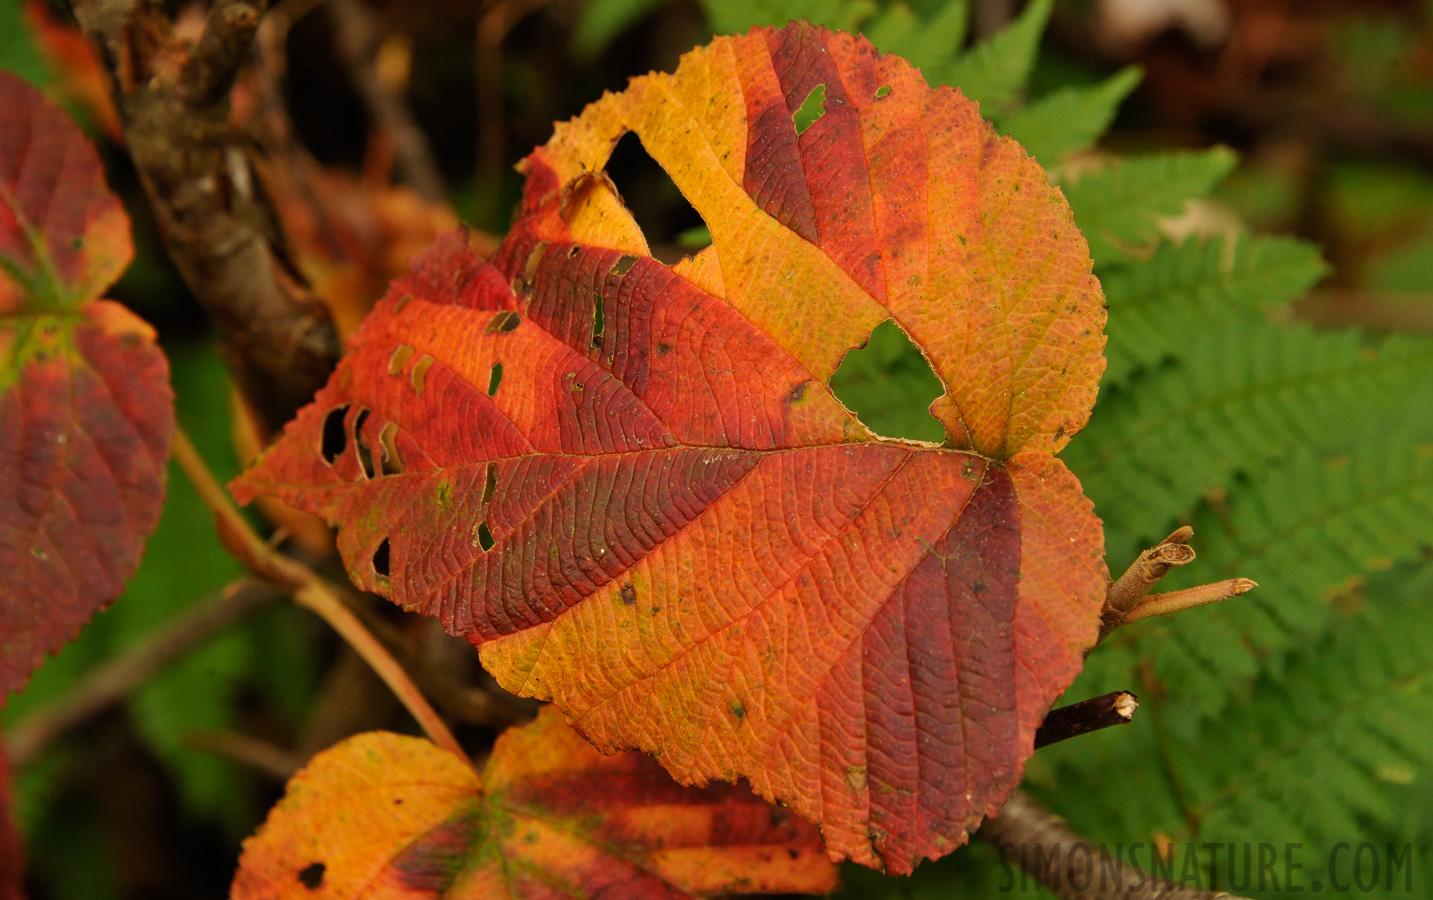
[85, 406]
[382, 815]
[632, 487]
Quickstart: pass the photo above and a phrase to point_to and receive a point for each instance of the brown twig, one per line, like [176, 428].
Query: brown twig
[1041, 844]
[1177, 601]
[1142, 575]
[493, 28]
[308, 590]
[357, 36]
[1104, 711]
[273, 761]
[112, 681]
[220, 231]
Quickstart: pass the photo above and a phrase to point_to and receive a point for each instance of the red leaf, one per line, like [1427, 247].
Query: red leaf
[382, 815]
[631, 485]
[86, 410]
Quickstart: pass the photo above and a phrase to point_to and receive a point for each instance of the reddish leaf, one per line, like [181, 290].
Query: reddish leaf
[383, 815]
[632, 487]
[85, 405]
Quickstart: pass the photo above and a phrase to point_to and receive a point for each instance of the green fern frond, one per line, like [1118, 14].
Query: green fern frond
[1118, 207]
[1069, 119]
[1333, 749]
[995, 71]
[1161, 307]
[1239, 401]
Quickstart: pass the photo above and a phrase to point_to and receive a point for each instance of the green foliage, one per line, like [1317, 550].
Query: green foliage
[890, 386]
[1241, 400]
[1180, 290]
[994, 72]
[1333, 748]
[1119, 207]
[603, 20]
[1069, 119]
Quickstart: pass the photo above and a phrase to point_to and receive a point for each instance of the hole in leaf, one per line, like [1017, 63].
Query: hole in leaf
[812, 109]
[623, 265]
[503, 323]
[392, 463]
[882, 91]
[491, 484]
[311, 875]
[889, 386]
[380, 559]
[653, 198]
[335, 436]
[576, 249]
[419, 375]
[485, 537]
[597, 322]
[399, 359]
[495, 379]
[365, 456]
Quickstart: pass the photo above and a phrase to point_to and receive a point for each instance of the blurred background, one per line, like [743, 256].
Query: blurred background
[1328, 109]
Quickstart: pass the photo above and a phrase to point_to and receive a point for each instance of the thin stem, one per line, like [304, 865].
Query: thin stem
[113, 680]
[309, 591]
[1177, 601]
[1107, 710]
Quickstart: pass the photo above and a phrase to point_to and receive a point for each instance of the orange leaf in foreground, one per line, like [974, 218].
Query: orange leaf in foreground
[381, 815]
[86, 410]
[631, 486]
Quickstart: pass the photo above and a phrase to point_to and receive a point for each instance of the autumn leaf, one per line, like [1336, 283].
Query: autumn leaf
[86, 410]
[632, 487]
[385, 815]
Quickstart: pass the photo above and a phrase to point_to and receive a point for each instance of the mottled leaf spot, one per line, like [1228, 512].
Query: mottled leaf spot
[504, 322]
[311, 876]
[335, 434]
[380, 559]
[811, 110]
[495, 378]
[399, 359]
[628, 594]
[737, 709]
[419, 375]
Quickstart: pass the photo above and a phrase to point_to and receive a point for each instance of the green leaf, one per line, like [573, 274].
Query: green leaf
[1118, 207]
[1070, 119]
[736, 16]
[994, 71]
[1242, 399]
[1334, 748]
[1163, 306]
[601, 21]
[927, 42]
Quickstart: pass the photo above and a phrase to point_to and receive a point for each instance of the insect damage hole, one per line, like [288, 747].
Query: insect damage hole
[485, 537]
[668, 221]
[335, 436]
[495, 378]
[598, 323]
[380, 559]
[311, 875]
[365, 455]
[890, 386]
[490, 484]
[812, 109]
[391, 463]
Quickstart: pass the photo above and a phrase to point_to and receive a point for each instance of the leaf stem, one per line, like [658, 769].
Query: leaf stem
[1177, 601]
[308, 590]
